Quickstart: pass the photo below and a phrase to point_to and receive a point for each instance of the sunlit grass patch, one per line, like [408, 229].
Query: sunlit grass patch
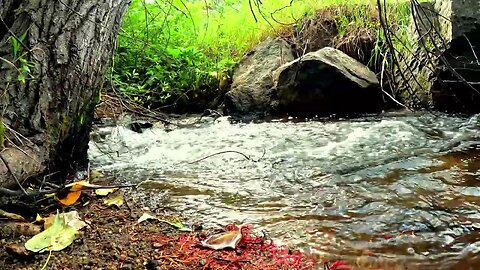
[168, 49]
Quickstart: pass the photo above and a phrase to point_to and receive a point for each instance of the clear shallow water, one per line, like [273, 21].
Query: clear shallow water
[399, 191]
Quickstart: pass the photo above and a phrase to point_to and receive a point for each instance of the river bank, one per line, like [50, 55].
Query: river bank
[128, 237]
[112, 240]
[395, 189]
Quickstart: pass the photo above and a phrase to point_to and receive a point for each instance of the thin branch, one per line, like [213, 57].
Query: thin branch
[13, 34]
[473, 50]
[251, 10]
[225, 152]
[13, 174]
[383, 90]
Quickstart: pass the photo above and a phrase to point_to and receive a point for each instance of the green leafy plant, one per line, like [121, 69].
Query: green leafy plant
[20, 60]
[168, 50]
[2, 134]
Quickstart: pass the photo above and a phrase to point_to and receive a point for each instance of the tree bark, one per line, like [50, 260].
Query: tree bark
[50, 80]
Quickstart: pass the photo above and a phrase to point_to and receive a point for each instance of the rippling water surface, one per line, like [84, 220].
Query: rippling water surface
[398, 190]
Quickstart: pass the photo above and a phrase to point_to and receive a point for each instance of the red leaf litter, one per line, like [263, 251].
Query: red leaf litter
[253, 252]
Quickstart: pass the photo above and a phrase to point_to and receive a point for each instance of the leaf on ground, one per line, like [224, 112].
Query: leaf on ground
[17, 250]
[105, 191]
[39, 218]
[177, 224]
[70, 198]
[11, 215]
[71, 218]
[117, 201]
[75, 192]
[145, 217]
[223, 240]
[47, 221]
[55, 238]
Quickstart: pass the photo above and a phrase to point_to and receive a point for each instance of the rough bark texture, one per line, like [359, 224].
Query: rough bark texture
[459, 90]
[69, 44]
[450, 30]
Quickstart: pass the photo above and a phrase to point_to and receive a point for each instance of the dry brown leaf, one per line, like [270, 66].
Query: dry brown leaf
[17, 250]
[223, 240]
[22, 228]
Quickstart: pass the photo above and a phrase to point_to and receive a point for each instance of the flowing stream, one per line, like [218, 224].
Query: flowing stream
[397, 191]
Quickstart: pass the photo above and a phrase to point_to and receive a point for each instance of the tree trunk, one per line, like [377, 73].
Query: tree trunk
[54, 54]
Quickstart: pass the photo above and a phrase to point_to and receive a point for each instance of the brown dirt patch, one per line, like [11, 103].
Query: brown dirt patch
[113, 240]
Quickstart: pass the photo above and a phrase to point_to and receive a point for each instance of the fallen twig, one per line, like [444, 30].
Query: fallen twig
[13, 174]
[11, 192]
[103, 187]
[225, 152]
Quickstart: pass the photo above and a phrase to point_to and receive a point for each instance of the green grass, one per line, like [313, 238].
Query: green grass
[2, 134]
[168, 51]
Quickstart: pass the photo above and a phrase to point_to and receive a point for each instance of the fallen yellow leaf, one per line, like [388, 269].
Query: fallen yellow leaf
[105, 191]
[117, 201]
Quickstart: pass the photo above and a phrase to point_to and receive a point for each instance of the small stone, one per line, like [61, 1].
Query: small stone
[122, 257]
[126, 267]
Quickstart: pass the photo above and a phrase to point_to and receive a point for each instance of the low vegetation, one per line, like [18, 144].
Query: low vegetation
[178, 55]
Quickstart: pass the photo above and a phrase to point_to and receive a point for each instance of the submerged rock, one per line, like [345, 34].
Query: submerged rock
[326, 82]
[251, 90]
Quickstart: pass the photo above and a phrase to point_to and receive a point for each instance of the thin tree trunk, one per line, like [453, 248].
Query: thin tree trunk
[50, 80]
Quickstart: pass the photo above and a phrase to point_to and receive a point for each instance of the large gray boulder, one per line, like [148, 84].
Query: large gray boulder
[326, 82]
[251, 90]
